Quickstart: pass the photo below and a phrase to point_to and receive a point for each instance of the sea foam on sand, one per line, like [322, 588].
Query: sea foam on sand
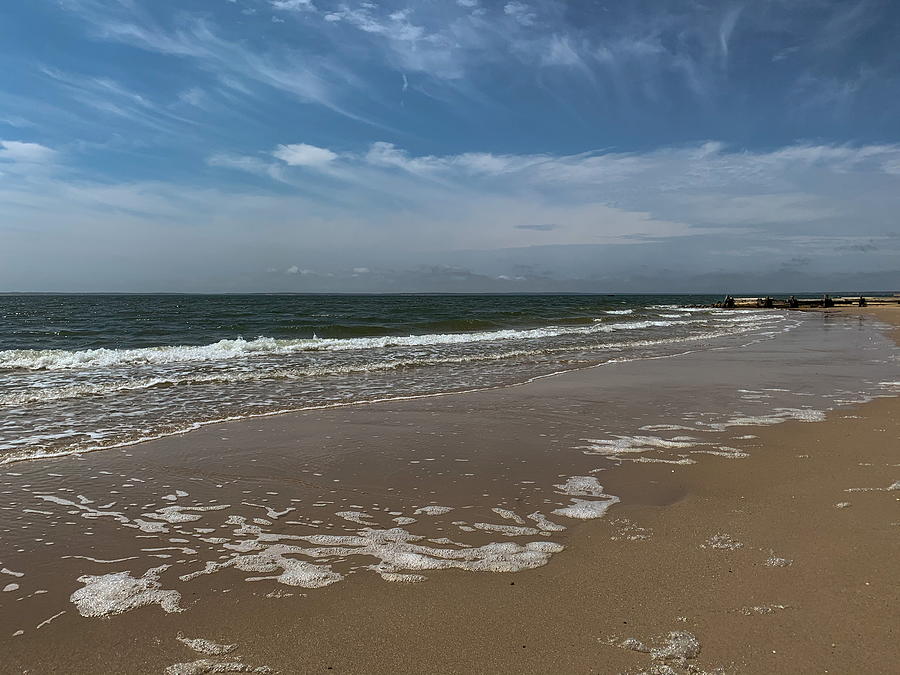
[585, 509]
[120, 592]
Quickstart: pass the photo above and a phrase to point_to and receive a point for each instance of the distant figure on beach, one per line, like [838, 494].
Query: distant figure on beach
[728, 303]
[827, 301]
[768, 303]
[793, 303]
[862, 301]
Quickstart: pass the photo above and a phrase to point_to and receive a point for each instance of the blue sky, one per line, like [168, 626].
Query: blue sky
[222, 145]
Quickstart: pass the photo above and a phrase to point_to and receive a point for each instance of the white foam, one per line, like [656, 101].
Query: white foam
[87, 511]
[508, 530]
[544, 523]
[398, 551]
[10, 587]
[204, 646]
[271, 559]
[761, 609]
[46, 622]
[777, 416]
[678, 645]
[621, 312]
[433, 510]
[400, 578]
[148, 527]
[722, 541]
[207, 666]
[582, 486]
[633, 444]
[509, 515]
[59, 359]
[628, 531]
[667, 427]
[890, 488]
[120, 592]
[586, 509]
[723, 451]
[100, 560]
[355, 517]
[181, 514]
[775, 561]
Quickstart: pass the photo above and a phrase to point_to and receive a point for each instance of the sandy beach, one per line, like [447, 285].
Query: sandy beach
[753, 548]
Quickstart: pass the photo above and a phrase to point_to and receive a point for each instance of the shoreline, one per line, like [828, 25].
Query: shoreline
[6, 459]
[631, 574]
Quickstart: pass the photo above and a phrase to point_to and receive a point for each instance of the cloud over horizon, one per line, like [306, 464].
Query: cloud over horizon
[286, 145]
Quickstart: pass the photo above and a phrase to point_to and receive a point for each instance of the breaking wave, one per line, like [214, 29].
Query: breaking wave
[60, 359]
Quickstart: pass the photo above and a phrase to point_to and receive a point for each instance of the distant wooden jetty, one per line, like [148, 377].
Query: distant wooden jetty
[792, 302]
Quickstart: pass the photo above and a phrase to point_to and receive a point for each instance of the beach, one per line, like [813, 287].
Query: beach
[728, 506]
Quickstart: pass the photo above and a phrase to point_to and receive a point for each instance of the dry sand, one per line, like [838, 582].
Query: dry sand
[734, 566]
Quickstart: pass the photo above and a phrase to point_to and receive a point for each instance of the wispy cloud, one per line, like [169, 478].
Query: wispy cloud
[301, 154]
[233, 63]
[26, 153]
[341, 134]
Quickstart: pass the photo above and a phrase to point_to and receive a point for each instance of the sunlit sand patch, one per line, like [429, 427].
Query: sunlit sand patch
[204, 646]
[723, 542]
[120, 592]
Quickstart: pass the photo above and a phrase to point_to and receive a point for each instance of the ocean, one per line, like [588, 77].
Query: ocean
[237, 531]
[82, 372]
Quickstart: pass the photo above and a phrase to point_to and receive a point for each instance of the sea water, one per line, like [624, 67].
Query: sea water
[82, 372]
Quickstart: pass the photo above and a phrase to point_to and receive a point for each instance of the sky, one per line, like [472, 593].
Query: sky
[449, 145]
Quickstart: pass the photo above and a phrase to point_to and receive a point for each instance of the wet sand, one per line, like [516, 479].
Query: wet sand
[750, 562]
